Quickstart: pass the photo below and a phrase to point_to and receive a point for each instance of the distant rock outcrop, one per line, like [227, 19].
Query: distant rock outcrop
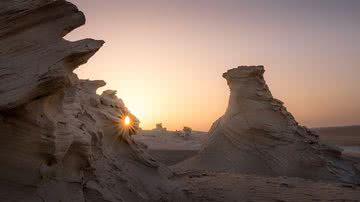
[59, 140]
[185, 132]
[159, 128]
[257, 135]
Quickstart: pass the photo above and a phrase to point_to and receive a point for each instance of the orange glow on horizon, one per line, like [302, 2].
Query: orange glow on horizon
[166, 58]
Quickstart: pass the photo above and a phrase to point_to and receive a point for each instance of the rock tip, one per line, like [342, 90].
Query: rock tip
[244, 71]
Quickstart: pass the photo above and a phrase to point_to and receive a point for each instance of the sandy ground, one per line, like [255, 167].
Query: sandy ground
[170, 148]
[170, 140]
[344, 136]
[230, 187]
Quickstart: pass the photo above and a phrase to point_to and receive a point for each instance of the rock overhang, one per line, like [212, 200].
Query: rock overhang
[244, 72]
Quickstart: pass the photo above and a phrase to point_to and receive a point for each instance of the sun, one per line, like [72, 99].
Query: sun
[127, 124]
[127, 120]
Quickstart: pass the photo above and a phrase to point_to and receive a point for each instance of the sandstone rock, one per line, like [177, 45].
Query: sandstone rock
[35, 60]
[59, 140]
[253, 138]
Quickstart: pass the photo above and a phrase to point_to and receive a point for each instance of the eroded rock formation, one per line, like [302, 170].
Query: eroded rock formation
[35, 60]
[257, 135]
[59, 140]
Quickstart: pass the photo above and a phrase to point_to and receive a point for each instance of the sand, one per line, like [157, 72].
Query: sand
[203, 186]
[342, 135]
[60, 141]
[169, 147]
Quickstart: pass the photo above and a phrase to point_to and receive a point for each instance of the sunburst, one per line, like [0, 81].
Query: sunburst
[127, 124]
[127, 121]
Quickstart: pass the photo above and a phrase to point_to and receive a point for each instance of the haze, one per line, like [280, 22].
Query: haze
[166, 58]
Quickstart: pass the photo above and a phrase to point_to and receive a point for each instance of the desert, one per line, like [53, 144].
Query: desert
[69, 139]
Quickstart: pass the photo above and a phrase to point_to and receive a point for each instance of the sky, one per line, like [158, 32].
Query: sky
[165, 58]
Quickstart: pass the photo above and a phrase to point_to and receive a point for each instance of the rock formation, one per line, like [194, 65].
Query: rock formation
[257, 135]
[59, 140]
[35, 60]
[186, 132]
[159, 128]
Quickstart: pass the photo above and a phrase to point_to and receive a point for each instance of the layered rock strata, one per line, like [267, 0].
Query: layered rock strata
[257, 135]
[59, 140]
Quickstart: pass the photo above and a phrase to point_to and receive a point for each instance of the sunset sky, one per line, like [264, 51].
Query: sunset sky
[166, 57]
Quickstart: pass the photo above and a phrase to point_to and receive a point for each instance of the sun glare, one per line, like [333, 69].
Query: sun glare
[127, 120]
